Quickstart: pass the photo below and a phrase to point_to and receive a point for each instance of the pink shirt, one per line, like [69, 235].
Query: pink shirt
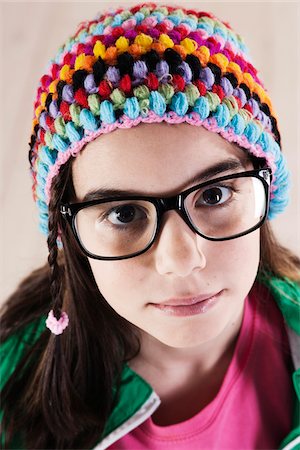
[253, 408]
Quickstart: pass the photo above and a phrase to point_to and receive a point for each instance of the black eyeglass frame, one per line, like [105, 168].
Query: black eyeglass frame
[163, 204]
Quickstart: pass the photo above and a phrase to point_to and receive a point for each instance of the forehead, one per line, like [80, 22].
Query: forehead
[151, 158]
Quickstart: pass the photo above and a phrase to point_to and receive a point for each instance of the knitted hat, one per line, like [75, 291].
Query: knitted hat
[151, 63]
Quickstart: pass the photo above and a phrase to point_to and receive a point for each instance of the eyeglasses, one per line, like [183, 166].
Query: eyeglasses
[219, 209]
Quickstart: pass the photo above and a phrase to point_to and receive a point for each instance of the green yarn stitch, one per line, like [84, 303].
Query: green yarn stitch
[75, 112]
[167, 91]
[118, 98]
[94, 104]
[144, 105]
[146, 11]
[179, 13]
[245, 115]
[207, 20]
[108, 20]
[232, 105]
[48, 139]
[163, 10]
[125, 14]
[213, 101]
[192, 93]
[60, 126]
[92, 27]
[141, 92]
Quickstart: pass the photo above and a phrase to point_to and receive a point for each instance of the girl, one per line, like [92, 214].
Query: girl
[156, 165]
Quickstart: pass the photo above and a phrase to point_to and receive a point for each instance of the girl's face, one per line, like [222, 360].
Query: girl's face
[159, 160]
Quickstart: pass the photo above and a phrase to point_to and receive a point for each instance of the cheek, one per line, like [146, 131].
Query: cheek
[238, 259]
[117, 279]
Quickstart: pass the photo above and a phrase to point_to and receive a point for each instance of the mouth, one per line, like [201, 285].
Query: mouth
[188, 306]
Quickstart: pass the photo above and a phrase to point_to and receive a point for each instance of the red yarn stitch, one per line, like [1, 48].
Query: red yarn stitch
[42, 135]
[162, 27]
[125, 84]
[201, 87]
[117, 32]
[248, 108]
[182, 30]
[80, 48]
[67, 59]
[54, 71]
[104, 89]
[178, 82]
[238, 100]
[80, 97]
[45, 81]
[141, 29]
[217, 89]
[50, 124]
[65, 111]
[152, 81]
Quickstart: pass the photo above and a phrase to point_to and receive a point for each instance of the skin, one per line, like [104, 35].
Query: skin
[183, 358]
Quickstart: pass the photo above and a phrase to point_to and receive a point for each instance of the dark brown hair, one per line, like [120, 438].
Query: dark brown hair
[60, 395]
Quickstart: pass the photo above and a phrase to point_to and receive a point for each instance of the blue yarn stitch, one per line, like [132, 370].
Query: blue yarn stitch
[179, 104]
[107, 114]
[47, 156]
[99, 28]
[43, 207]
[238, 124]
[191, 22]
[175, 19]
[59, 143]
[87, 120]
[74, 133]
[252, 132]
[157, 103]
[117, 21]
[139, 17]
[43, 169]
[159, 16]
[131, 108]
[206, 27]
[201, 107]
[222, 115]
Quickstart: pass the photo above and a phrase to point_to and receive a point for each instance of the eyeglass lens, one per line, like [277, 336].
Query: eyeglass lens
[218, 210]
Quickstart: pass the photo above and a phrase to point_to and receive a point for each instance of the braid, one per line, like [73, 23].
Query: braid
[57, 271]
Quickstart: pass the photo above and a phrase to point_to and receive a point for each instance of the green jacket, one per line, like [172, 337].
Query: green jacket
[137, 400]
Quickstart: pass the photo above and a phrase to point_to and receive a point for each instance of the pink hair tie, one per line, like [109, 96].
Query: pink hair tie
[57, 326]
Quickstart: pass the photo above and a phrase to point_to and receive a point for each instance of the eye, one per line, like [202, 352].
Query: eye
[125, 214]
[214, 195]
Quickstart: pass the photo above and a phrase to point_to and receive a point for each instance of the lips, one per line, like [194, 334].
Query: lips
[187, 301]
[188, 306]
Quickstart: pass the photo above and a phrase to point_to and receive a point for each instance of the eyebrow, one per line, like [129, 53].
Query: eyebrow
[230, 164]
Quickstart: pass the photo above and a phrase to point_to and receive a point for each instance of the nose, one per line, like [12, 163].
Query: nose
[177, 249]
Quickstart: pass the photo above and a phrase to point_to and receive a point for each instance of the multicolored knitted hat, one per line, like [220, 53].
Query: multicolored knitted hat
[151, 63]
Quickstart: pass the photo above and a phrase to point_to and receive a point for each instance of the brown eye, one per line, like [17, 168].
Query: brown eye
[215, 195]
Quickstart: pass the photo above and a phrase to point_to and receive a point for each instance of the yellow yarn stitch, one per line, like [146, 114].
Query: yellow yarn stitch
[43, 98]
[203, 54]
[236, 70]
[84, 62]
[66, 73]
[38, 110]
[52, 87]
[189, 45]
[220, 60]
[166, 41]
[248, 80]
[122, 44]
[99, 49]
[143, 40]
